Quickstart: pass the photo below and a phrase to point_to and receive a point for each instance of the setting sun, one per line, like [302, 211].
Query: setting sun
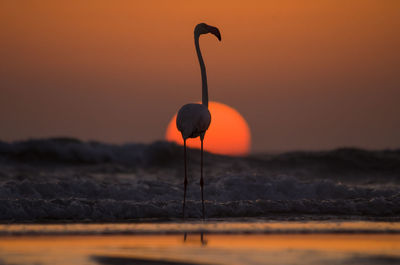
[228, 133]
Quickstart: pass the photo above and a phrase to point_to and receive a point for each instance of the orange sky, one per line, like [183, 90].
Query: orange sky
[305, 74]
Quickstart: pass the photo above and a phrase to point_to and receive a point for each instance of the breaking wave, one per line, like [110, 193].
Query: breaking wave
[66, 179]
[230, 196]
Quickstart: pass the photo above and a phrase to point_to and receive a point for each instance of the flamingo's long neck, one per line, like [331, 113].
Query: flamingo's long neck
[203, 71]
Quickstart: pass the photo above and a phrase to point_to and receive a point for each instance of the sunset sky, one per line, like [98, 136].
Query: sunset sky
[304, 74]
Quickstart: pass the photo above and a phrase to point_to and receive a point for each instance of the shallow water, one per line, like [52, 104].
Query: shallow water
[223, 242]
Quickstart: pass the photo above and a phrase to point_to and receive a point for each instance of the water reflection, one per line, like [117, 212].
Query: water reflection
[189, 248]
[112, 260]
[188, 239]
[192, 238]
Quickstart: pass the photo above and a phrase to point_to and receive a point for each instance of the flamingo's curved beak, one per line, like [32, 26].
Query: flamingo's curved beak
[215, 31]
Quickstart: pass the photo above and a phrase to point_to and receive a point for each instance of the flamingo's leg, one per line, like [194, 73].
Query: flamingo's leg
[185, 181]
[201, 175]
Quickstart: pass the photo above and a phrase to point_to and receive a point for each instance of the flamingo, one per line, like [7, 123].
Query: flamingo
[194, 119]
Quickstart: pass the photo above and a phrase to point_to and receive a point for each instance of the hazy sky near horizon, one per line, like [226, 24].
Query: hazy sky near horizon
[304, 74]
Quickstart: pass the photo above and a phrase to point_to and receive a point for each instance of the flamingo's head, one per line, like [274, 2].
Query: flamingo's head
[203, 28]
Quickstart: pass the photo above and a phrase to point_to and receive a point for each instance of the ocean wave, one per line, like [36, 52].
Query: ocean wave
[73, 151]
[112, 210]
[230, 196]
[67, 179]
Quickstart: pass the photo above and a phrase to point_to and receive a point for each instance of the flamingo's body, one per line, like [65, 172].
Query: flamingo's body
[193, 119]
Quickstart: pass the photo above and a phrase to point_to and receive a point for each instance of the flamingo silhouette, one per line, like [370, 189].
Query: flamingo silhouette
[193, 119]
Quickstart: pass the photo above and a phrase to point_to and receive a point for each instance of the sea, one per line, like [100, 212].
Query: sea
[66, 201]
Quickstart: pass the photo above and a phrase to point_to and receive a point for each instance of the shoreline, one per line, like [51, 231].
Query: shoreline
[210, 227]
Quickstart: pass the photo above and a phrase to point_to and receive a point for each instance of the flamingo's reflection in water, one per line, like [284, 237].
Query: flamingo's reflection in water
[193, 239]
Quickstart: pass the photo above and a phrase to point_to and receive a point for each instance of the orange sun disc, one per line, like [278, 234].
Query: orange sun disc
[228, 133]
